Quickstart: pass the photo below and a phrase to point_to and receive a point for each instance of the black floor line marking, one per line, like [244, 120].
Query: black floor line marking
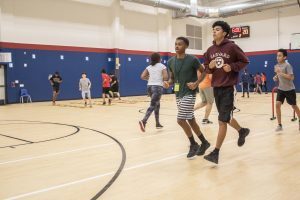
[121, 166]
[10, 146]
[16, 138]
[122, 163]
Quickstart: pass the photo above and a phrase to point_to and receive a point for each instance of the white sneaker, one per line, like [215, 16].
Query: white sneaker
[279, 128]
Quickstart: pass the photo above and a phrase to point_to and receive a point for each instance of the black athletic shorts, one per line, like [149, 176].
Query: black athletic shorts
[115, 88]
[290, 96]
[105, 90]
[55, 89]
[224, 97]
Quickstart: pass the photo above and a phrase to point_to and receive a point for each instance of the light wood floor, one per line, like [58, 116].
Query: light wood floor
[50, 160]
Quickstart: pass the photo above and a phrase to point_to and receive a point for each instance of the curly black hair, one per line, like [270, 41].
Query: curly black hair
[225, 26]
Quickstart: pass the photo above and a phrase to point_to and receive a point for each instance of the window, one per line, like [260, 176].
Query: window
[194, 34]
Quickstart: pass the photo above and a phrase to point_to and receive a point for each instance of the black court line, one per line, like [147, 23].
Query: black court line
[16, 138]
[120, 169]
[77, 129]
[122, 163]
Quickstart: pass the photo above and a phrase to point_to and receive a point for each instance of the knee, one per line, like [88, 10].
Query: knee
[180, 121]
[192, 121]
[221, 123]
[278, 104]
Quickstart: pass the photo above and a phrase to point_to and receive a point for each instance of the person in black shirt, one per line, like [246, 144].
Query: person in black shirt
[55, 81]
[114, 86]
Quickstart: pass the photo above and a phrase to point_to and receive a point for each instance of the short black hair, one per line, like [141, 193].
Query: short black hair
[184, 39]
[225, 26]
[56, 73]
[155, 58]
[283, 51]
[103, 71]
[83, 73]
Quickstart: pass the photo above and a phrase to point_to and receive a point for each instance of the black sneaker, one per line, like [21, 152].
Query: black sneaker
[159, 126]
[204, 146]
[104, 103]
[244, 132]
[212, 157]
[109, 101]
[142, 125]
[193, 151]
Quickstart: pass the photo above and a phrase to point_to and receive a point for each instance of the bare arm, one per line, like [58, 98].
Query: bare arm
[171, 78]
[165, 75]
[289, 76]
[145, 75]
[286, 76]
[202, 74]
[200, 77]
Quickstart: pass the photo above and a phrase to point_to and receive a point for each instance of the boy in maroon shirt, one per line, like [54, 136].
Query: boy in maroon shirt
[224, 60]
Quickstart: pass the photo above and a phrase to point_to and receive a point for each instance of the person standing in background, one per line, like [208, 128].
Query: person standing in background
[258, 82]
[114, 86]
[105, 87]
[85, 88]
[245, 78]
[55, 81]
[264, 82]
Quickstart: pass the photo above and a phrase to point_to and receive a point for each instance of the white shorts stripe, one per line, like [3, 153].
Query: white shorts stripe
[185, 107]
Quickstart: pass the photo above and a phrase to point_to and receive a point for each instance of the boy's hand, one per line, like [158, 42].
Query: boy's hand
[227, 68]
[212, 64]
[275, 78]
[277, 70]
[192, 85]
[166, 84]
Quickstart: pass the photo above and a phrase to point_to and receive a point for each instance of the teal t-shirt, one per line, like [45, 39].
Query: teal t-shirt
[184, 71]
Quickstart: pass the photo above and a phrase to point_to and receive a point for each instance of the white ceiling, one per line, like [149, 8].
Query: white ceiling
[96, 2]
[215, 3]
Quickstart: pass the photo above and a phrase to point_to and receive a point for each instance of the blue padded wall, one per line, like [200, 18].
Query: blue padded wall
[35, 75]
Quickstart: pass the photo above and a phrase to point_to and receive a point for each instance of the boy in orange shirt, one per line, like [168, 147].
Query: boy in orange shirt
[207, 95]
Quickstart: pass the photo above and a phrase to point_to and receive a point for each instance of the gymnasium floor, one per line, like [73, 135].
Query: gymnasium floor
[63, 152]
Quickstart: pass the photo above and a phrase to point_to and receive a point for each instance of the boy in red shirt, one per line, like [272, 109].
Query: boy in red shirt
[105, 86]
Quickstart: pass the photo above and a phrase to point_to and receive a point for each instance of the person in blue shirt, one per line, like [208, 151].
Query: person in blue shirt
[245, 79]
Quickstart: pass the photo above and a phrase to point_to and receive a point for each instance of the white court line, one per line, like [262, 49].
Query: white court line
[125, 169]
[81, 149]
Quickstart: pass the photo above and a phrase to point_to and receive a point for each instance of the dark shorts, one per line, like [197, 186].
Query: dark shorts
[115, 88]
[224, 98]
[290, 96]
[55, 89]
[105, 90]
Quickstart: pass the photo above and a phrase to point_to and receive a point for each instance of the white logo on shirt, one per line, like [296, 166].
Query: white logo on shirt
[219, 62]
